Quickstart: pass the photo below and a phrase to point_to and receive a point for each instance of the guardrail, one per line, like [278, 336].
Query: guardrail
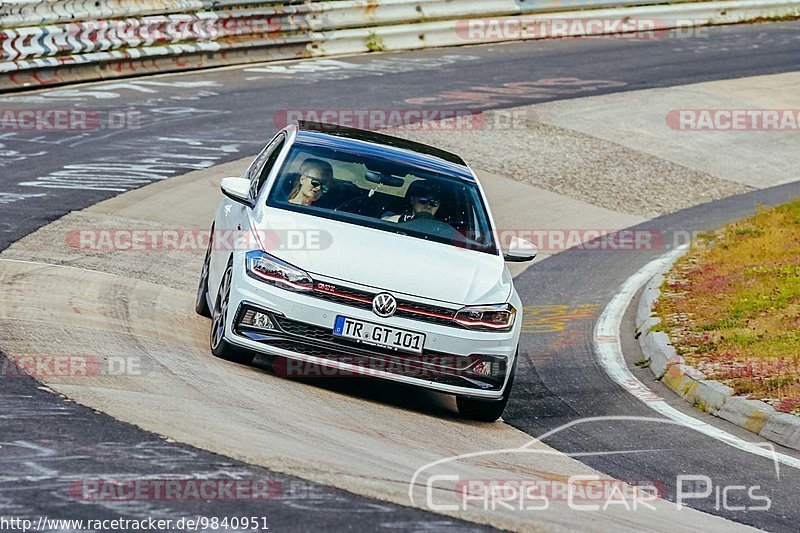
[47, 42]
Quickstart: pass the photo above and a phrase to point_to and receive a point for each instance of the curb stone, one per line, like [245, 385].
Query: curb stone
[707, 395]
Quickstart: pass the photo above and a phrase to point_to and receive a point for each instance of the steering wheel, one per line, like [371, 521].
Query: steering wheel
[431, 226]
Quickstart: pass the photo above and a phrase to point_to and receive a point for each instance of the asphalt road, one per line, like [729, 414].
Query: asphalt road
[193, 121]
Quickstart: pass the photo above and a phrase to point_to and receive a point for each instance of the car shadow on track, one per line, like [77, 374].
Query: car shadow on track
[371, 389]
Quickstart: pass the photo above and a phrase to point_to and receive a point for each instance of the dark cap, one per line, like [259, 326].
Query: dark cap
[422, 188]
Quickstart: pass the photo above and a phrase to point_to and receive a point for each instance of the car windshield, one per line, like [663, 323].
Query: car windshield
[383, 194]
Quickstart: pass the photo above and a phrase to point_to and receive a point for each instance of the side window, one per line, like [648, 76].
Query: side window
[259, 170]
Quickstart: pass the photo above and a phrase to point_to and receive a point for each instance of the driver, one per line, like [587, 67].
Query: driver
[316, 177]
[425, 199]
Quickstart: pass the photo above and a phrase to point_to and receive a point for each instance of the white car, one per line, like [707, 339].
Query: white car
[347, 252]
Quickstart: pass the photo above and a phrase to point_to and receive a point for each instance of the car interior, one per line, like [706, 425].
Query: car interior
[382, 190]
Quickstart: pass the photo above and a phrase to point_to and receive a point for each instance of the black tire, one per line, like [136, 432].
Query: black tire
[219, 346]
[486, 410]
[201, 302]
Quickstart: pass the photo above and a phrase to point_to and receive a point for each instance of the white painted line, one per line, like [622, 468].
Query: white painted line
[608, 348]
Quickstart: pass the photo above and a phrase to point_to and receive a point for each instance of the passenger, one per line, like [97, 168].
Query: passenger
[424, 198]
[315, 180]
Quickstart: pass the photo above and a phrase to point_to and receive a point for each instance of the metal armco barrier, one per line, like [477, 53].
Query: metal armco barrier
[38, 12]
[48, 42]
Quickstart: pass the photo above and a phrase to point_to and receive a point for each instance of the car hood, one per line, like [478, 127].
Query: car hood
[385, 260]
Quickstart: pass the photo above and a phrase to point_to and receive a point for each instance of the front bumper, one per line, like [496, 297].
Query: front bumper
[454, 361]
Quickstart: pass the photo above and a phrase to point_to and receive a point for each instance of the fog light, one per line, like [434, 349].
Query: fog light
[262, 321]
[257, 320]
[483, 368]
[488, 368]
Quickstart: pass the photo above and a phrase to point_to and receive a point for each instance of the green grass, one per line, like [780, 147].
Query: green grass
[732, 306]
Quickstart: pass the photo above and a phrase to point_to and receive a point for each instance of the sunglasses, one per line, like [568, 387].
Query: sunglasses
[425, 200]
[317, 183]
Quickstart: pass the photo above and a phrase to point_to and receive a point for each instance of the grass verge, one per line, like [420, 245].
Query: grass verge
[731, 306]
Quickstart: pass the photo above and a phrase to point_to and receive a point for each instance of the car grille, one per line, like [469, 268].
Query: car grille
[363, 300]
[308, 331]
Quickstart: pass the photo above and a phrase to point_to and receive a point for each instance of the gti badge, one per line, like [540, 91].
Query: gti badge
[384, 305]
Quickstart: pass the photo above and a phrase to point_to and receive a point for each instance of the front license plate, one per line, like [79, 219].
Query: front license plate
[377, 335]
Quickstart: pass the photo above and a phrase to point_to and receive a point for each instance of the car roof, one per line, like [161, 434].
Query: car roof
[383, 146]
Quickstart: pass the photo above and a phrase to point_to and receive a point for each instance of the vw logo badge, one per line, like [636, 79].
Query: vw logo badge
[384, 305]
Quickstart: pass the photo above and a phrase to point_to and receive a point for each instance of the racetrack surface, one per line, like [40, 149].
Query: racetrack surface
[560, 379]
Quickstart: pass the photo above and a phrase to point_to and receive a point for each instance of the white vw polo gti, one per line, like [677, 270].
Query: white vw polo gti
[354, 252]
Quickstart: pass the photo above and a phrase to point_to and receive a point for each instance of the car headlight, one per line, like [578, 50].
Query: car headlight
[487, 317]
[272, 270]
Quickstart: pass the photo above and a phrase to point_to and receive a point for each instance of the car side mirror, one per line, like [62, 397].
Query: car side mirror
[520, 250]
[237, 189]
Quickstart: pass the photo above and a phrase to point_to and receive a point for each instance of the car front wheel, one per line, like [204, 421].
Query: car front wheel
[486, 410]
[201, 303]
[219, 346]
